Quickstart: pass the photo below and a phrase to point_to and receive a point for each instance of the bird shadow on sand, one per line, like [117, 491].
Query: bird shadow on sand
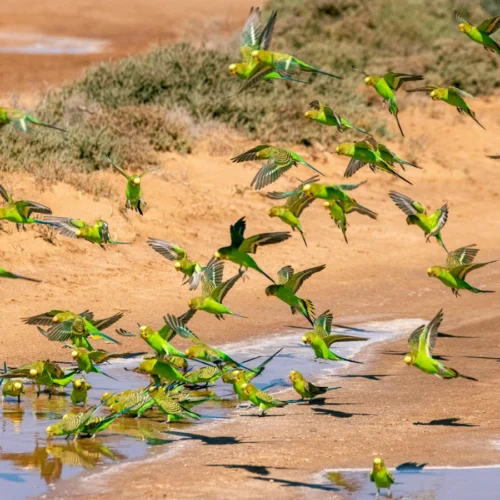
[484, 357]
[209, 440]
[375, 377]
[259, 470]
[451, 336]
[325, 402]
[258, 415]
[410, 467]
[447, 422]
[339, 414]
[404, 353]
[297, 484]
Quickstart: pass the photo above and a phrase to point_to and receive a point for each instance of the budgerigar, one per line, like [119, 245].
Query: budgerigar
[133, 192]
[12, 388]
[452, 96]
[458, 265]
[481, 33]
[325, 115]
[240, 248]
[305, 389]
[431, 225]
[278, 161]
[422, 342]
[7, 274]
[79, 394]
[22, 121]
[387, 86]
[381, 477]
[261, 399]
[289, 284]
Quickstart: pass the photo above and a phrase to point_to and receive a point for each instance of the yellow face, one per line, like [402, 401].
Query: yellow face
[177, 266]
[191, 305]
[74, 354]
[78, 233]
[33, 372]
[233, 69]
[78, 384]
[430, 272]
[189, 353]
[306, 339]
[326, 204]
[408, 359]
[378, 464]
[307, 189]
[293, 375]
[255, 55]
[217, 255]
[272, 212]
[461, 27]
[369, 80]
[434, 95]
[18, 386]
[137, 181]
[308, 115]
[50, 431]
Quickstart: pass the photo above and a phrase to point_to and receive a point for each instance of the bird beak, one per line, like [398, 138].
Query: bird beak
[367, 80]
[308, 115]
[337, 150]
[304, 339]
[326, 204]
[461, 28]
[255, 55]
[429, 272]
[217, 255]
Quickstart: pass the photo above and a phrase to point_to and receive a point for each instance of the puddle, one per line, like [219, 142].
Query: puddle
[413, 483]
[28, 463]
[40, 44]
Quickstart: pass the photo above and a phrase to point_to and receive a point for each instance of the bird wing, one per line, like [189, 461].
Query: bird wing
[414, 339]
[178, 325]
[323, 324]
[150, 171]
[298, 203]
[270, 173]
[113, 164]
[460, 18]
[359, 71]
[26, 208]
[406, 204]
[442, 216]
[237, 231]
[167, 332]
[275, 195]
[426, 88]
[463, 270]
[350, 187]
[264, 396]
[432, 332]
[267, 32]
[5, 195]
[461, 256]
[212, 277]
[250, 155]
[105, 232]
[287, 67]
[353, 166]
[251, 34]
[221, 291]
[330, 339]
[169, 250]
[296, 281]
[102, 324]
[250, 245]
[319, 106]
[460, 93]
[396, 80]
[490, 25]
[284, 274]
[62, 331]
[42, 319]
[66, 226]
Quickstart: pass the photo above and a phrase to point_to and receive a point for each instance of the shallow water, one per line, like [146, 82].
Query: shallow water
[414, 482]
[29, 463]
[40, 44]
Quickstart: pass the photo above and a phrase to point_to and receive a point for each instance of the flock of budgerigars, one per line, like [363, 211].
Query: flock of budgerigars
[170, 378]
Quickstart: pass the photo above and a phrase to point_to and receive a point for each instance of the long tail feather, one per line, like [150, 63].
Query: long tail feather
[399, 125]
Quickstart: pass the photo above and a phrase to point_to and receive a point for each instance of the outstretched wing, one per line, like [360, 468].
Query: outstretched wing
[5, 194]
[45, 319]
[461, 256]
[432, 332]
[460, 93]
[250, 155]
[406, 204]
[296, 281]
[270, 173]
[323, 324]
[275, 195]
[284, 274]
[460, 18]
[442, 217]
[426, 88]
[178, 325]
[26, 208]
[113, 164]
[251, 34]
[319, 106]
[330, 339]
[102, 324]
[462, 271]
[267, 32]
[167, 332]
[490, 25]
[250, 245]
[414, 339]
[396, 80]
[221, 291]
[353, 166]
[169, 250]
[65, 331]
[212, 277]
[66, 226]
[350, 187]
[298, 203]
[237, 232]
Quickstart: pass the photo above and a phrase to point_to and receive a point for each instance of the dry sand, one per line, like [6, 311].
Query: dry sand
[380, 274]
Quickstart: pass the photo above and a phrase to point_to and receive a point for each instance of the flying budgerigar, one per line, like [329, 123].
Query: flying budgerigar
[381, 477]
[190, 269]
[290, 212]
[133, 192]
[278, 161]
[22, 121]
[289, 284]
[481, 33]
[325, 115]
[458, 265]
[431, 225]
[305, 389]
[19, 212]
[87, 360]
[7, 274]
[422, 342]
[240, 248]
[452, 96]
[79, 229]
[387, 86]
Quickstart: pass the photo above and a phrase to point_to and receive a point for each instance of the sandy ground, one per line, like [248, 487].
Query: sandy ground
[380, 274]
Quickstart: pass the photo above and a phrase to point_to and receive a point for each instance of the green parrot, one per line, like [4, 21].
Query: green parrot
[325, 115]
[481, 34]
[387, 86]
[214, 291]
[79, 229]
[305, 389]
[452, 96]
[329, 191]
[87, 360]
[60, 316]
[190, 269]
[422, 342]
[206, 374]
[293, 208]
[21, 121]
[321, 338]
[138, 402]
[289, 284]
[431, 225]
[160, 346]
[458, 266]
[279, 161]
[389, 156]
[134, 190]
[157, 367]
[94, 424]
[240, 248]
[381, 477]
[71, 423]
[261, 399]
[79, 394]
[20, 212]
[6, 274]
[174, 409]
[12, 388]
[365, 153]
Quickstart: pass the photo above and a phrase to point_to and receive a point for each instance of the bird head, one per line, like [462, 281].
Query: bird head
[308, 338]
[146, 332]
[18, 386]
[273, 212]
[245, 388]
[33, 372]
[344, 149]
[190, 352]
[137, 181]
[378, 463]
[327, 205]
[77, 384]
[294, 375]
[310, 115]
[431, 272]
[218, 255]
[369, 81]
[177, 265]
[106, 396]
[308, 190]
[232, 69]
[75, 354]
[409, 359]
[434, 95]
[49, 430]
[256, 55]
[462, 28]
[191, 305]
[270, 290]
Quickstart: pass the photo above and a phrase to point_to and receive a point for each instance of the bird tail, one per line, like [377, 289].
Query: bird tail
[266, 275]
[317, 70]
[289, 79]
[41, 124]
[113, 242]
[349, 360]
[238, 315]
[359, 129]
[101, 335]
[105, 374]
[303, 236]
[327, 389]
[259, 369]
[45, 223]
[440, 241]
[365, 211]
[477, 290]
[314, 168]
[308, 310]
[393, 172]
[399, 124]
[19, 277]
[473, 116]
[459, 375]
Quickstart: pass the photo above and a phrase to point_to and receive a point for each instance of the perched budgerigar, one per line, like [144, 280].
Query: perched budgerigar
[20, 212]
[289, 284]
[387, 86]
[452, 96]
[71, 423]
[133, 192]
[365, 153]
[305, 389]
[290, 212]
[327, 116]
[261, 399]
[190, 269]
[482, 33]
[321, 338]
[12, 388]
[431, 225]
[22, 121]
[7, 274]
[381, 477]
[422, 342]
[79, 229]
[161, 369]
[79, 394]
[240, 248]
[278, 161]
[458, 265]
[175, 410]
